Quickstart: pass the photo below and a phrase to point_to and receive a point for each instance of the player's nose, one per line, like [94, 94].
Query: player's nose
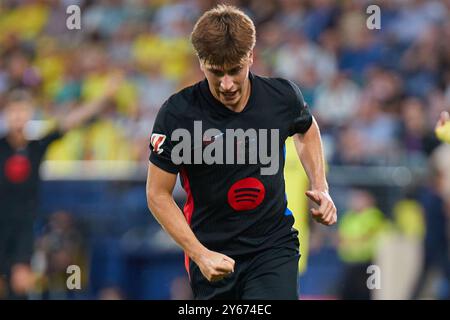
[226, 84]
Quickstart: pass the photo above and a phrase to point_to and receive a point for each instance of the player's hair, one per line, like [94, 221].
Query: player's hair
[223, 36]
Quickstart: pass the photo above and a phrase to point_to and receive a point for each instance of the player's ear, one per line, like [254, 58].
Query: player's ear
[250, 58]
[202, 65]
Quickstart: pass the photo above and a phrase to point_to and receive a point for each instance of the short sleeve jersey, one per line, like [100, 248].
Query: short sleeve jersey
[231, 163]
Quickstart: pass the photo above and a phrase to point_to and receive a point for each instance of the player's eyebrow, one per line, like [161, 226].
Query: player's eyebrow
[215, 69]
[235, 69]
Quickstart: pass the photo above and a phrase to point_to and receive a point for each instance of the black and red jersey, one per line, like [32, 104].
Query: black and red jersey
[233, 208]
[19, 186]
[19, 174]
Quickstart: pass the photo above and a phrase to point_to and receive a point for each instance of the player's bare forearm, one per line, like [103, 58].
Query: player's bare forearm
[213, 265]
[163, 207]
[171, 219]
[310, 151]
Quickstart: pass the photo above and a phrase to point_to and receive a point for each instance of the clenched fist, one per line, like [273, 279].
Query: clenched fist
[215, 266]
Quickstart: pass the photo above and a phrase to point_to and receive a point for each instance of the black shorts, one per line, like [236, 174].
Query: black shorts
[16, 242]
[267, 275]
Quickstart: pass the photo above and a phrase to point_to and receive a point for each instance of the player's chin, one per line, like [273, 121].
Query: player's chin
[230, 99]
[215, 279]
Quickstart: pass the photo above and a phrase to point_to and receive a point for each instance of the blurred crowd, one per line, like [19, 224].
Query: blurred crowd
[376, 93]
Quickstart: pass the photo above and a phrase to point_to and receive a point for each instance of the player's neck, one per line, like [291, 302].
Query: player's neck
[17, 140]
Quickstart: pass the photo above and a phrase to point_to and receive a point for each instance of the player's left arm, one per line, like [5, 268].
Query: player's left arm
[310, 151]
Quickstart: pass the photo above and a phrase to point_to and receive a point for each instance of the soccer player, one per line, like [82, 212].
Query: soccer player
[442, 128]
[20, 159]
[237, 232]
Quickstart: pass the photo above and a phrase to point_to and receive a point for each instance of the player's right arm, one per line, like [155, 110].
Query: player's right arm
[89, 110]
[160, 184]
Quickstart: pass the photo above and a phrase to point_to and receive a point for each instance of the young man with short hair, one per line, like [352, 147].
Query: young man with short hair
[236, 231]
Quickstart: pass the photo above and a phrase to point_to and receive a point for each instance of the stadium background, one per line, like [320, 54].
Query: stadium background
[375, 93]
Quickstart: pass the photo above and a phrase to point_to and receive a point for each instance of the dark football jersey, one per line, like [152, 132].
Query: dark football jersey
[233, 208]
[19, 186]
[19, 174]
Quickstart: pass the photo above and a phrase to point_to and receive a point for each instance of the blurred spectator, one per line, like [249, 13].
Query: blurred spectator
[349, 148]
[298, 55]
[378, 130]
[105, 17]
[320, 16]
[360, 49]
[421, 63]
[336, 101]
[415, 16]
[359, 229]
[436, 243]
[60, 246]
[20, 159]
[416, 138]
[385, 86]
